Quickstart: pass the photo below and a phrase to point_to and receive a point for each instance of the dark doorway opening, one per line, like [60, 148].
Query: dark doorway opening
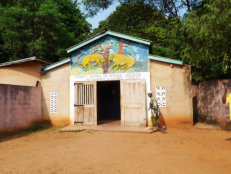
[108, 101]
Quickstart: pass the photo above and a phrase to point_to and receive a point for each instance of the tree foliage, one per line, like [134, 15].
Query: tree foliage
[171, 8]
[42, 28]
[210, 31]
[197, 30]
[143, 21]
[94, 6]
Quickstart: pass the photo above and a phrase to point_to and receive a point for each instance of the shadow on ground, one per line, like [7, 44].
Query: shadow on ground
[35, 127]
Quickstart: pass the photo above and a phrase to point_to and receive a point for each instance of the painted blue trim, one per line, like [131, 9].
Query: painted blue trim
[167, 60]
[85, 43]
[128, 37]
[56, 64]
[104, 34]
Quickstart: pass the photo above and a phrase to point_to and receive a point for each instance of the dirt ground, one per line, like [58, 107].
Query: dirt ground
[186, 150]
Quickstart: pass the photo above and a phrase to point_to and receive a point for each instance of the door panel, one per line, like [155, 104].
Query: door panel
[85, 103]
[133, 102]
[79, 115]
[88, 115]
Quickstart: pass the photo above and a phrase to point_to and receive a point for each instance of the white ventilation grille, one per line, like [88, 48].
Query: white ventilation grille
[161, 96]
[53, 102]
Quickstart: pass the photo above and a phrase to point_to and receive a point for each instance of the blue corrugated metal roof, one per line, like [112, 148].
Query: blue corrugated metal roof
[54, 65]
[164, 59]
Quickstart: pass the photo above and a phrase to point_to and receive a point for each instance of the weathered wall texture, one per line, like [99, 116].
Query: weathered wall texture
[177, 80]
[57, 79]
[207, 101]
[24, 74]
[20, 106]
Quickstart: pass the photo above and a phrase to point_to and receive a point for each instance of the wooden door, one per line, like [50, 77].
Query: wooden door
[133, 102]
[85, 103]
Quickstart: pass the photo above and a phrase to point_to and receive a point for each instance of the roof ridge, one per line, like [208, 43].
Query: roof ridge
[104, 33]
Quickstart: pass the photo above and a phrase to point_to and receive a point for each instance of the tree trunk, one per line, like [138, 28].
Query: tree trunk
[106, 56]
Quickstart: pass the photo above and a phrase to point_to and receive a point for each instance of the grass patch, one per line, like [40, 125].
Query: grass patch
[36, 127]
[77, 131]
[33, 128]
[72, 131]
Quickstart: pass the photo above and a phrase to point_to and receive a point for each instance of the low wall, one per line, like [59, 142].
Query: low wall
[20, 106]
[207, 102]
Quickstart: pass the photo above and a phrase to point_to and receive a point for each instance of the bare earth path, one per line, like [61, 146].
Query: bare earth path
[186, 151]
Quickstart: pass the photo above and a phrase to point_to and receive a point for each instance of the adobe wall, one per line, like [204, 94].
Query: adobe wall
[177, 80]
[24, 74]
[57, 79]
[20, 106]
[207, 100]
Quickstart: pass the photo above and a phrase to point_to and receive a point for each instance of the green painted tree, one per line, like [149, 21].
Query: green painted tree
[42, 28]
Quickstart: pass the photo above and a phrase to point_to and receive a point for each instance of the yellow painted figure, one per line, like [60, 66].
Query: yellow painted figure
[97, 58]
[122, 60]
[227, 99]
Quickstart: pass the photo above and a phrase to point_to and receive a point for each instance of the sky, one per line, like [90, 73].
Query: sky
[102, 15]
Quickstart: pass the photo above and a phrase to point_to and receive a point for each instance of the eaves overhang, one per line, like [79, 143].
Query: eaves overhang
[57, 64]
[29, 59]
[164, 59]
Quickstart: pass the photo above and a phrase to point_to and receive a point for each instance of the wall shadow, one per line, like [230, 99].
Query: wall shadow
[162, 121]
[195, 111]
[35, 127]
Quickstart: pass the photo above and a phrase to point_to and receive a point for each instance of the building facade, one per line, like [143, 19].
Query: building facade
[107, 77]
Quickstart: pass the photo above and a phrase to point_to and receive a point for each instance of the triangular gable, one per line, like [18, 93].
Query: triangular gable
[109, 53]
[107, 33]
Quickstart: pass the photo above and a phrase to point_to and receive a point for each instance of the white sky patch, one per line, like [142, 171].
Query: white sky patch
[101, 15]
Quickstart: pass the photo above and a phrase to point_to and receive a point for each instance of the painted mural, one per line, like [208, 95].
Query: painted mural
[110, 55]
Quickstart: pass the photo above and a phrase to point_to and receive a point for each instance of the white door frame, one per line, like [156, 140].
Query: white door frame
[107, 77]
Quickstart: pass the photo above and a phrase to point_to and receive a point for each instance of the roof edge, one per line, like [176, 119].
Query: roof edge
[57, 64]
[165, 59]
[23, 61]
[104, 33]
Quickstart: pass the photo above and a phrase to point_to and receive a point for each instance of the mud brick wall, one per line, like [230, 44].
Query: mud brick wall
[207, 102]
[20, 106]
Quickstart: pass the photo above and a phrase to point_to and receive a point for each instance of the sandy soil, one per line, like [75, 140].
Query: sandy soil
[186, 151]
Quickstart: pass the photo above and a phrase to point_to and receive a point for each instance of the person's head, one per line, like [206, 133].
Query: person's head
[150, 94]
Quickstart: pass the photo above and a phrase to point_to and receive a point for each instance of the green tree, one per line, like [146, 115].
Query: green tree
[42, 28]
[199, 31]
[174, 10]
[210, 31]
[143, 21]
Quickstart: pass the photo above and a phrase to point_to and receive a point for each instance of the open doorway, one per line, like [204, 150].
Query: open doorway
[108, 101]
